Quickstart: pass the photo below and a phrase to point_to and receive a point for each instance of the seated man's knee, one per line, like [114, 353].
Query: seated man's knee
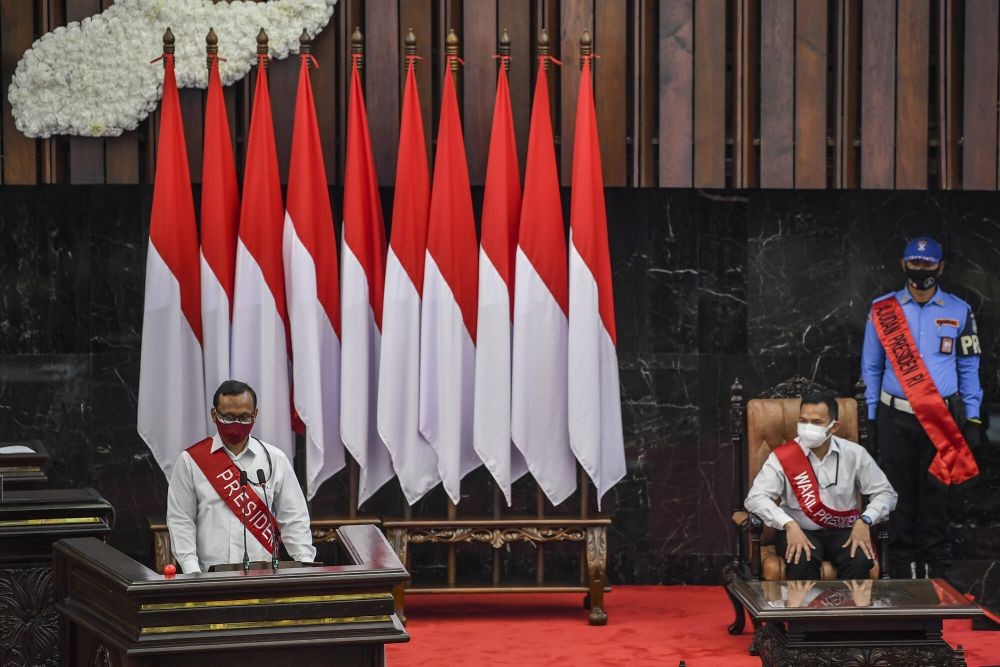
[857, 567]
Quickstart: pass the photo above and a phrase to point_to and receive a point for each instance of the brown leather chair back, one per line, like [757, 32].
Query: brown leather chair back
[771, 422]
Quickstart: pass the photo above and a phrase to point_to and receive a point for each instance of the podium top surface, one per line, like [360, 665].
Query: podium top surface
[371, 560]
[145, 613]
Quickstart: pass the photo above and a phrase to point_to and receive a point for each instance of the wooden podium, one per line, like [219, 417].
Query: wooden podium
[119, 613]
[30, 522]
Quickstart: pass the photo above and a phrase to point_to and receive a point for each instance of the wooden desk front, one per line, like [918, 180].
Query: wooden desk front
[122, 614]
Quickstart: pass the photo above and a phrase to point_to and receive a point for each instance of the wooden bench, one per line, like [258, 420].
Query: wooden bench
[590, 533]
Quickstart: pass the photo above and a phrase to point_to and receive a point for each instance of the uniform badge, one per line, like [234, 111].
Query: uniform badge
[947, 345]
[946, 322]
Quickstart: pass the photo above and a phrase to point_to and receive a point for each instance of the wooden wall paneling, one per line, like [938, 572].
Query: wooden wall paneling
[846, 75]
[479, 38]
[710, 94]
[86, 154]
[193, 112]
[324, 84]
[878, 94]
[515, 15]
[419, 15]
[949, 90]
[676, 104]
[283, 78]
[810, 93]
[382, 62]
[610, 33]
[575, 16]
[17, 32]
[777, 85]
[913, 26]
[745, 81]
[645, 96]
[979, 147]
[52, 151]
[121, 153]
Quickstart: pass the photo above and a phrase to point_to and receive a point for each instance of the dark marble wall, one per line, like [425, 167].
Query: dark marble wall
[710, 285]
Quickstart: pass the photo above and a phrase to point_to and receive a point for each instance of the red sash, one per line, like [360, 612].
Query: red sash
[803, 480]
[954, 462]
[224, 477]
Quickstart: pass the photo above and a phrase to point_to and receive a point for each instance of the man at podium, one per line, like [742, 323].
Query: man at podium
[232, 497]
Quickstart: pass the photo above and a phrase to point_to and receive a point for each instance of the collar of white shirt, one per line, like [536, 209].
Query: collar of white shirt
[834, 447]
[253, 447]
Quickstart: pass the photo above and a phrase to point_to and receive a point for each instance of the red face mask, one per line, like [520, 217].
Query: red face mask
[233, 434]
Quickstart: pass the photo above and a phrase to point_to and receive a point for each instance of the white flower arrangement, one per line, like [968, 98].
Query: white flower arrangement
[94, 78]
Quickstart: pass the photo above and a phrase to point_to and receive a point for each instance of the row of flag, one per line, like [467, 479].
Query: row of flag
[424, 356]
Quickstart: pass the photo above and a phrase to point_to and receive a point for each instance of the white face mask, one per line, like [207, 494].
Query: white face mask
[813, 435]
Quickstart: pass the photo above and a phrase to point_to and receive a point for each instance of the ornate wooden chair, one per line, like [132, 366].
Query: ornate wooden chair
[757, 427]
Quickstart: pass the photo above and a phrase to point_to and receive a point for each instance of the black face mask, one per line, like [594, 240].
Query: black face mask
[922, 278]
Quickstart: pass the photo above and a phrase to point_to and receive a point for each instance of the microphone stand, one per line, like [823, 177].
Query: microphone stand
[262, 480]
[244, 478]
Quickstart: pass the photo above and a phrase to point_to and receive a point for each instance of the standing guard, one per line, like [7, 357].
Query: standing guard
[920, 362]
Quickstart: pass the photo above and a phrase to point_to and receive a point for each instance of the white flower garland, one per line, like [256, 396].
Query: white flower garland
[94, 78]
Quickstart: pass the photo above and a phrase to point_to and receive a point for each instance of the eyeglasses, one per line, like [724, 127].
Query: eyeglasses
[230, 419]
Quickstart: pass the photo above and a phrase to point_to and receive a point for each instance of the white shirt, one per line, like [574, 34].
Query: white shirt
[846, 469]
[204, 531]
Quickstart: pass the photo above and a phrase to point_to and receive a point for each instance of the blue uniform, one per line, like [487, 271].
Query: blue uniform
[944, 330]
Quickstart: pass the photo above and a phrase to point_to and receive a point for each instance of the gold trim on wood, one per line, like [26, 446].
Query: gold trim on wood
[59, 521]
[247, 625]
[202, 604]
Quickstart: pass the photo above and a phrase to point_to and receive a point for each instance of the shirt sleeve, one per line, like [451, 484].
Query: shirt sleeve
[292, 515]
[873, 483]
[872, 367]
[768, 485]
[969, 351]
[182, 511]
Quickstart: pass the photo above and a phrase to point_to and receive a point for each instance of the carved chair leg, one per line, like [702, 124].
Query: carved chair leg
[740, 617]
[597, 555]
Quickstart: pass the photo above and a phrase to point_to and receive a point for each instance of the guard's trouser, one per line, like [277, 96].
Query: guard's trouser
[919, 544]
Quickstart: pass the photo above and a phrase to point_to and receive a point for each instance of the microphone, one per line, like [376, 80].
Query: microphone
[244, 478]
[262, 480]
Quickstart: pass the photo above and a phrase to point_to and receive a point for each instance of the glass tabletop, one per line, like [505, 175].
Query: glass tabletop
[839, 595]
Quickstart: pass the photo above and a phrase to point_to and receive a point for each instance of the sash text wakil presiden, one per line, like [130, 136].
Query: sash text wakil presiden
[209, 499]
[817, 477]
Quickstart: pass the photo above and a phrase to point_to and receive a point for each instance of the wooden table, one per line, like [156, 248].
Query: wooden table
[870, 622]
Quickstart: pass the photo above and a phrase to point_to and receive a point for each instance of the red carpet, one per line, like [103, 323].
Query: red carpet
[647, 625]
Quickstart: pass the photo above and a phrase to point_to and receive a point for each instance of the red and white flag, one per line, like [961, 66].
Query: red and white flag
[260, 339]
[595, 411]
[538, 369]
[448, 316]
[312, 289]
[172, 403]
[501, 212]
[220, 222]
[413, 458]
[363, 257]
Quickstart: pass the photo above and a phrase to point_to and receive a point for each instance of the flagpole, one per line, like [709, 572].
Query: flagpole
[410, 55]
[451, 53]
[586, 52]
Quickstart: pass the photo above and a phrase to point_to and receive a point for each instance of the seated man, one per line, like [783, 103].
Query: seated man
[817, 477]
[207, 504]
